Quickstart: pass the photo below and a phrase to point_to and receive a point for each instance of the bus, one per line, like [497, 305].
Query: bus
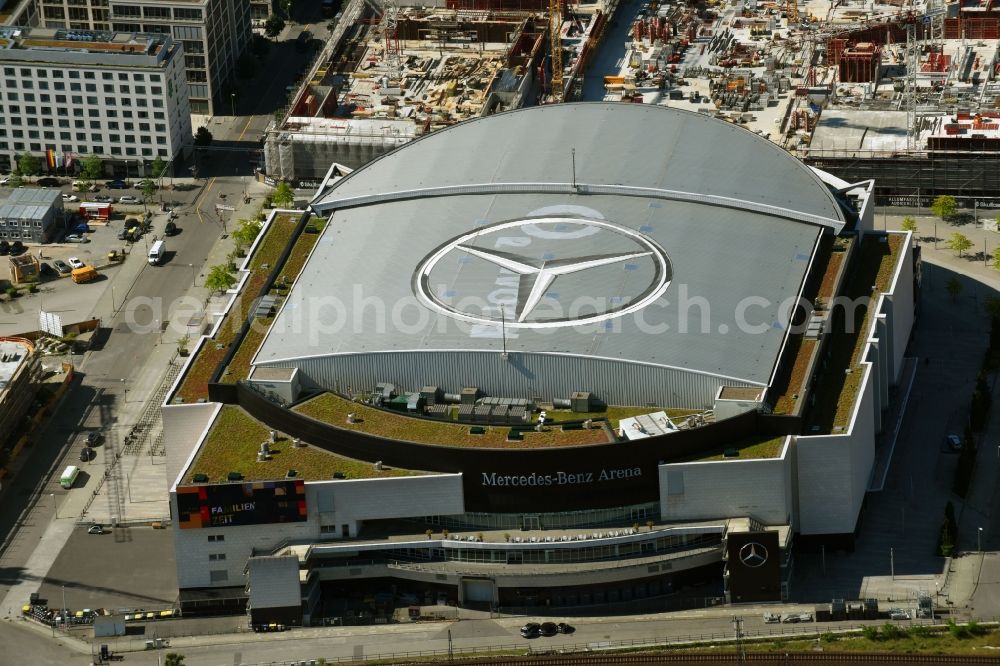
[69, 475]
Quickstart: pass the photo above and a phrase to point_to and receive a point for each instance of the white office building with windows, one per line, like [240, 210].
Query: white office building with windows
[214, 33]
[66, 94]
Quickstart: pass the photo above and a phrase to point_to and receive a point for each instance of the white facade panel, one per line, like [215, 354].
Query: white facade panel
[834, 471]
[274, 582]
[349, 502]
[725, 488]
[183, 428]
[901, 310]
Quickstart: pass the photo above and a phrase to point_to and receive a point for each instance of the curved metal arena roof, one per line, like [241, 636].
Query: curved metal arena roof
[619, 231]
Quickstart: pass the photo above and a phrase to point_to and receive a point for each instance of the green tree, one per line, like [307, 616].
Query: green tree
[246, 233]
[29, 165]
[220, 278]
[944, 206]
[157, 167]
[15, 179]
[909, 224]
[202, 137]
[274, 25]
[996, 261]
[959, 243]
[954, 288]
[284, 195]
[91, 168]
[173, 659]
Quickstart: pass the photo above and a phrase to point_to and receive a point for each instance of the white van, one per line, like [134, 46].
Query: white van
[69, 475]
[156, 253]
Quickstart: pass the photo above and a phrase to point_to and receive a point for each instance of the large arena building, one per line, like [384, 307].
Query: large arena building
[568, 355]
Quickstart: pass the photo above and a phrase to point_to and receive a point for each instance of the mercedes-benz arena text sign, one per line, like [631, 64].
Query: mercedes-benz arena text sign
[545, 263]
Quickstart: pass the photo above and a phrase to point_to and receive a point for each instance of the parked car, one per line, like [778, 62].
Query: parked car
[5, 180]
[531, 630]
[805, 617]
[95, 529]
[771, 618]
[123, 234]
[170, 229]
[76, 238]
[953, 443]
[86, 454]
[81, 228]
[129, 199]
[790, 618]
[85, 186]
[16, 248]
[131, 222]
[45, 269]
[898, 614]
[70, 197]
[565, 628]
[548, 629]
[75, 262]
[62, 266]
[94, 438]
[115, 185]
[48, 182]
[4, 248]
[103, 198]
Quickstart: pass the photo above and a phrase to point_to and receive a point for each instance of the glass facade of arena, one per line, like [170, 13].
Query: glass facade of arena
[620, 516]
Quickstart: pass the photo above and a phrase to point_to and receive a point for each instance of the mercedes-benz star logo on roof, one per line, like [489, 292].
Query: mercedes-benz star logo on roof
[551, 256]
[753, 555]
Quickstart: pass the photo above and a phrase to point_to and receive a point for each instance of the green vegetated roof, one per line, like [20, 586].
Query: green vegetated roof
[239, 367]
[199, 372]
[837, 391]
[235, 438]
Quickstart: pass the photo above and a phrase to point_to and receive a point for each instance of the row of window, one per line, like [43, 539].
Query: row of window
[180, 14]
[80, 124]
[83, 149]
[16, 235]
[13, 224]
[81, 136]
[216, 557]
[92, 100]
[75, 74]
[11, 84]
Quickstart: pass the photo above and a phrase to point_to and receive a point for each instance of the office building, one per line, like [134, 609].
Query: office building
[214, 33]
[67, 95]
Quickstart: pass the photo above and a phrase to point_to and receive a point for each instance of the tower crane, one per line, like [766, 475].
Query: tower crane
[555, 27]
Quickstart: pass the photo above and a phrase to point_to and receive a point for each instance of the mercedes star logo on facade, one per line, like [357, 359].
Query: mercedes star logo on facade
[753, 555]
[545, 272]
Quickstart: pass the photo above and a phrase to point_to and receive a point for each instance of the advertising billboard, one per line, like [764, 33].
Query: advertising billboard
[232, 504]
[754, 566]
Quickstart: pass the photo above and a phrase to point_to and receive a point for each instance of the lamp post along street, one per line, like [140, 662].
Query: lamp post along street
[979, 539]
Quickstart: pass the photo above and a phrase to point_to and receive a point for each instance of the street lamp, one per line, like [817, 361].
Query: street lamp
[55, 504]
[124, 391]
[232, 101]
[979, 540]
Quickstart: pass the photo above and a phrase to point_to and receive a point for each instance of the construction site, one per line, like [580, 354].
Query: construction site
[903, 92]
[390, 74]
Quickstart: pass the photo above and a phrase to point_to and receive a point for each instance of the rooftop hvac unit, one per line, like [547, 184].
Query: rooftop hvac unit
[469, 395]
[580, 401]
[430, 394]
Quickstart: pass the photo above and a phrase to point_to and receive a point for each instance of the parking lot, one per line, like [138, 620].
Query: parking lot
[123, 568]
[57, 293]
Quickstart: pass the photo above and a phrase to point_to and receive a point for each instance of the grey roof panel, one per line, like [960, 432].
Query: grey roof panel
[697, 284]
